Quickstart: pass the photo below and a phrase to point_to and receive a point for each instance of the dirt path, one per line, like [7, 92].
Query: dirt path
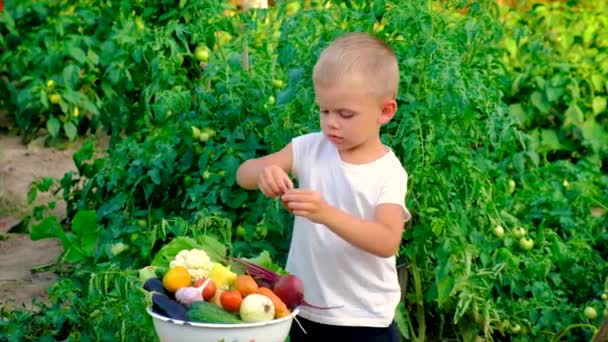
[19, 166]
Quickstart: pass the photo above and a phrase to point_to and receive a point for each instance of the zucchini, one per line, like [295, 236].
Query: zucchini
[204, 312]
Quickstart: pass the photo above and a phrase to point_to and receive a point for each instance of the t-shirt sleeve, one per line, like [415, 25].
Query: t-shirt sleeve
[300, 148]
[394, 191]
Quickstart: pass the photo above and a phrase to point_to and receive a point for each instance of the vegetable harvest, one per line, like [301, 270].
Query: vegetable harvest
[198, 288]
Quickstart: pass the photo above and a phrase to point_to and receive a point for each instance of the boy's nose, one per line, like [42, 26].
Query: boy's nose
[332, 121]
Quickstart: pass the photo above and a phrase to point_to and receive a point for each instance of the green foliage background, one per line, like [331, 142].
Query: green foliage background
[502, 121]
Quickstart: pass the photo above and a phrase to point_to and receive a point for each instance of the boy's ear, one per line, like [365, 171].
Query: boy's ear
[389, 109]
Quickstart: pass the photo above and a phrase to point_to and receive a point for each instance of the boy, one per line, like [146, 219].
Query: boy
[350, 205]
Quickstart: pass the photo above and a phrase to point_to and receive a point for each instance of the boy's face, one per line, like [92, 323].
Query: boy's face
[351, 115]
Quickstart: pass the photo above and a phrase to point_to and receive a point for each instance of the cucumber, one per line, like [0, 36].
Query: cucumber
[204, 312]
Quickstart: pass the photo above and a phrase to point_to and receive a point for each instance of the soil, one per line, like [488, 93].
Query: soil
[21, 286]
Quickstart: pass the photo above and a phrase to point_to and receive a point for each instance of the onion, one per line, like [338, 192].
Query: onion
[256, 308]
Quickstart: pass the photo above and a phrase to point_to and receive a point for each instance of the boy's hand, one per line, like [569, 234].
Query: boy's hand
[273, 181]
[306, 203]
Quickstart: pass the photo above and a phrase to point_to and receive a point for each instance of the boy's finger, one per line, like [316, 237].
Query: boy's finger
[289, 184]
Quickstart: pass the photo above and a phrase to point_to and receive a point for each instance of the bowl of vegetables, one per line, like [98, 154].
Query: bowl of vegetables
[197, 293]
[169, 330]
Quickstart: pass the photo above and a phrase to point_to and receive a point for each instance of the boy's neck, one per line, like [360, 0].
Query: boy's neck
[364, 154]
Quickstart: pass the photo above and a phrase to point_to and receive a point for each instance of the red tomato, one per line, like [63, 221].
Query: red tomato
[231, 300]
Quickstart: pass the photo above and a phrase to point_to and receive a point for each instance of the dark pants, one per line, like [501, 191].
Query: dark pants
[322, 332]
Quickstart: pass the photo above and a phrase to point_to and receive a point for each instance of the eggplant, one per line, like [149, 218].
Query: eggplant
[155, 285]
[168, 307]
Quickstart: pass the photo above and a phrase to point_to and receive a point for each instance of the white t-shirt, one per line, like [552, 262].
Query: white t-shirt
[334, 272]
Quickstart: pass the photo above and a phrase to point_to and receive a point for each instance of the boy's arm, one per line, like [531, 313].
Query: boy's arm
[380, 236]
[269, 173]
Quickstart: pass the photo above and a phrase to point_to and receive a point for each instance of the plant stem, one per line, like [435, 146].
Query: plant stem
[419, 304]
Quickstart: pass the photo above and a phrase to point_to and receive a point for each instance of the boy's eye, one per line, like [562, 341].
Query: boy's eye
[324, 112]
[346, 115]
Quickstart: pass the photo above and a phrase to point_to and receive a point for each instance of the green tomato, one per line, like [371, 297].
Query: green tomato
[141, 25]
[204, 137]
[118, 248]
[605, 296]
[210, 131]
[196, 133]
[202, 53]
[511, 186]
[240, 231]
[142, 223]
[590, 313]
[516, 329]
[50, 83]
[55, 98]
[499, 231]
[261, 231]
[526, 243]
[134, 237]
[206, 174]
[277, 83]
[519, 232]
[293, 7]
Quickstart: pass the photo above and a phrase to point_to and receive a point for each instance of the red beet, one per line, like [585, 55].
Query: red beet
[288, 287]
[291, 290]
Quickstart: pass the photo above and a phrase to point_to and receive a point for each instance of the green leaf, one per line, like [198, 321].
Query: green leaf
[215, 249]
[598, 82]
[553, 93]
[179, 243]
[92, 57]
[402, 318]
[77, 54]
[539, 101]
[549, 140]
[155, 176]
[444, 289]
[517, 111]
[594, 135]
[70, 130]
[599, 104]
[71, 75]
[574, 116]
[84, 226]
[83, 154]
[379, 8]
[48, 228]
[53, 125]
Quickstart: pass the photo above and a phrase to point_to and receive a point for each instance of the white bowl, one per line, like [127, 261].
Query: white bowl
[173, 330]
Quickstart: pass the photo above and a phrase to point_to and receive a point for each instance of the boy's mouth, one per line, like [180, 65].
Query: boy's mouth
[334, 138]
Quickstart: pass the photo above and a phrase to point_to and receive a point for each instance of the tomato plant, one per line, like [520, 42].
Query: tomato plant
[500, 127]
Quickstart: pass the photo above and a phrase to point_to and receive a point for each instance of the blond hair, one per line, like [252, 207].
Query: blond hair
[361, 56]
